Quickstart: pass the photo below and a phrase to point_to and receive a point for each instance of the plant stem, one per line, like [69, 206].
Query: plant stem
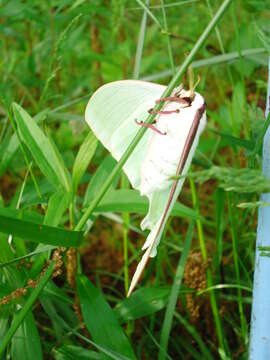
[140, 43]
[170, 52]
[125, 216]
[174, 82]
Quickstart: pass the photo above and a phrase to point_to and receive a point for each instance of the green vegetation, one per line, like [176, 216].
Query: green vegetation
[69, 222]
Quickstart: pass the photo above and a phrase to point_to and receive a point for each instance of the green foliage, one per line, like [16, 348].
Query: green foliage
[55, 177]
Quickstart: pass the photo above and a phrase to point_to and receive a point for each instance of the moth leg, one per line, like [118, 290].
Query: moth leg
[150, 126]
[185, 101]
[163, 112]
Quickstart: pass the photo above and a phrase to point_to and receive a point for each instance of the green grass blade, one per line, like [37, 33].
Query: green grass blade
[39, 233]
[223, 347]
[168, 319]
[236, 267]
[100, 319]
[139, 49]
[167, 34]
[26, 340]
[220, 226]
[57, 205]
[83, 158]
[20, 316]
[150, 13]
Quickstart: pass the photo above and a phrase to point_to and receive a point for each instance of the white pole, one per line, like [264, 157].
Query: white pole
[259, 345]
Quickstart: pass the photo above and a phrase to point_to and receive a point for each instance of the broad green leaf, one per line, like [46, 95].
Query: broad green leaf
[100, 319]
[143, 302]
[39, 233]
[128, 200]
[45, 155]
[72, 352]
[84, 156]
[25, 343]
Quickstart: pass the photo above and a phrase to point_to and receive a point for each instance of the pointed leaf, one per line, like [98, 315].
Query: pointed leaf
[143, 302]
[100, 319]
[41, 149]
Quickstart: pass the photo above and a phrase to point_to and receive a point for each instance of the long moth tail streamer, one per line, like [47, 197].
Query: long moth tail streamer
[188, 144]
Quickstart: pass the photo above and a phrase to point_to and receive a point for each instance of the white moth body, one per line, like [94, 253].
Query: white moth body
[164, 151]
[113, 113]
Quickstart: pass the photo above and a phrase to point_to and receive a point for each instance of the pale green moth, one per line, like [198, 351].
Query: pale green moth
[114, 114]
